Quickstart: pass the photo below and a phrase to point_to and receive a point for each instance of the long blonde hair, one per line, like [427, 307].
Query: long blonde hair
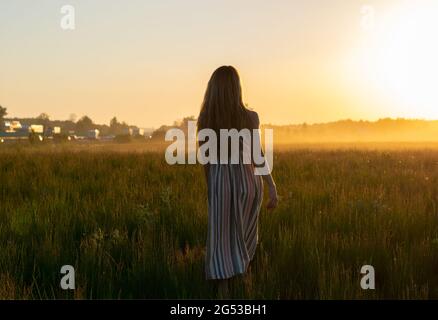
[223, 107]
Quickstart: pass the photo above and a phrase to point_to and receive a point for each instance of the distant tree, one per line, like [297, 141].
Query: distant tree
[84, 124]
[43, 119]
[117, 128]
[185, 121]
[113, 122]
[3, 113]
[160, 133]
[103, 129]
[44, 116]
[184, 125]
[73, 117]
[114, 126]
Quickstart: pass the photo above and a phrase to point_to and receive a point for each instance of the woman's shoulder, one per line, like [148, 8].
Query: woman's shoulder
[254, 117]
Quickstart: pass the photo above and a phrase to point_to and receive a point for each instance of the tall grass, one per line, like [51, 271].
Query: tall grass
[135, 227]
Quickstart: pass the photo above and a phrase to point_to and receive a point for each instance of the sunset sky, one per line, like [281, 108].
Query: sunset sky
[148, 62]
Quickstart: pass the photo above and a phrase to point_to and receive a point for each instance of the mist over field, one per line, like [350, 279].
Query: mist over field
[383, 130]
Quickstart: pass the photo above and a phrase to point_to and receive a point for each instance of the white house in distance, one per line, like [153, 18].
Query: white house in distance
[12, 126]
[93, 134]
[135, 132]
[36, 128]
[138, 132]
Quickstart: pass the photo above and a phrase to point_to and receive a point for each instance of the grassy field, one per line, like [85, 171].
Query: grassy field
[135, 227]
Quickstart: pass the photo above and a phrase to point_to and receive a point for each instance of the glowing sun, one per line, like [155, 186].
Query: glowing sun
[399, 58]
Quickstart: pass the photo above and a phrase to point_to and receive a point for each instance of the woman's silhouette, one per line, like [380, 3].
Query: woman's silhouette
[235, 193]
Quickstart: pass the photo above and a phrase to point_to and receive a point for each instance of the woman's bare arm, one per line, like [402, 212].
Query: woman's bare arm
[269, 180]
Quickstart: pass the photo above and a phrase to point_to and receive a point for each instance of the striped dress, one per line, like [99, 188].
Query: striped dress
[234, 200]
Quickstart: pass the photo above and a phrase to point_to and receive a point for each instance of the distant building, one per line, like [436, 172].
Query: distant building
[127, 131]
[138, 132]
[12, 126]
[36, 128]
[14, 130]
[53, 131]
[93, 134]
[133, 131]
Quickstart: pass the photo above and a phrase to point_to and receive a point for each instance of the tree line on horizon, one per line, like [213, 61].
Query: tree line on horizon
[80, 126]
[386, 129]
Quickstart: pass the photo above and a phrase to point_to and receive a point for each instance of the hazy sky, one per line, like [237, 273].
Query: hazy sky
[148, 62]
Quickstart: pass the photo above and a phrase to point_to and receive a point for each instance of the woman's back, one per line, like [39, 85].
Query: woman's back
[235, 193]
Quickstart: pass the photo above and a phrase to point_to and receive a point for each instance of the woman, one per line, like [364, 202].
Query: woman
[235, 193]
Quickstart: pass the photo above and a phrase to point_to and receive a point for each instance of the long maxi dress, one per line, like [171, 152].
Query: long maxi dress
[235, 196]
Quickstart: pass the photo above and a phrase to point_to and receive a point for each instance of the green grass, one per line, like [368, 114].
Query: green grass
[135, 227]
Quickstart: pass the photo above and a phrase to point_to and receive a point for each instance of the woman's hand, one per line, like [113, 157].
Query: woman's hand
[273, 197]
